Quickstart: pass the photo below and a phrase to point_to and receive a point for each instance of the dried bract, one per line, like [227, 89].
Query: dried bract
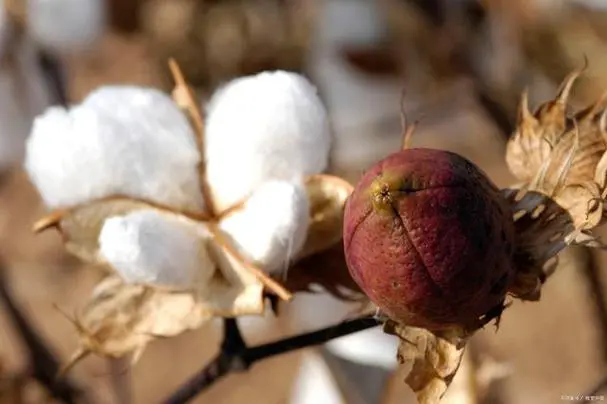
[563, 156]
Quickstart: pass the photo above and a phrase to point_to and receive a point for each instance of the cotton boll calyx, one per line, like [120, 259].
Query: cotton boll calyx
[150, 247]
[121, 140]
[66, 25]
[271, 227]
[272, 126]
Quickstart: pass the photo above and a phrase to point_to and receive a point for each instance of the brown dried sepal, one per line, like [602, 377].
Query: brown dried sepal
[321, 261]
[542, 230]
[563, 157]
[434, 358]
[121, 319]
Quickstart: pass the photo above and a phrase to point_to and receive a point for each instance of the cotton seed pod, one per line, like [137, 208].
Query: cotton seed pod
[272, 125]
[66, 25]
[430, 240]
[120, 141]
[278, 211]
[152, 247]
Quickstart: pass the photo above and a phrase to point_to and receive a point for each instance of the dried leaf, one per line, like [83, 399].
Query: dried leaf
[434, 358]
[122, 319]
[328, 196]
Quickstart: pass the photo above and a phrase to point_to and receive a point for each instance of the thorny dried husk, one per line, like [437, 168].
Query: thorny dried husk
[563, 156]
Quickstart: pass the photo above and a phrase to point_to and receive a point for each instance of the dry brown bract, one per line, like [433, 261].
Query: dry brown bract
[564, 157]
[434, 358]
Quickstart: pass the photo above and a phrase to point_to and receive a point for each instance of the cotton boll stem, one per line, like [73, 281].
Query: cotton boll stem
[150, 247]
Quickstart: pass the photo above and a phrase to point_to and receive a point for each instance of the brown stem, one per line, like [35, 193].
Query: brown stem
[236, 356]
[44, 367]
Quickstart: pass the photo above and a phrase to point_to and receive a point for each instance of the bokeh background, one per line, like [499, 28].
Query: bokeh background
[462, 65]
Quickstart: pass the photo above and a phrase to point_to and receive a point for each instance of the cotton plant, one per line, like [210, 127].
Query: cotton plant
[191, 220]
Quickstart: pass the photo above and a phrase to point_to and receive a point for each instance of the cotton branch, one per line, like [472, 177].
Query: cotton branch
[44, 367]
[235, 356]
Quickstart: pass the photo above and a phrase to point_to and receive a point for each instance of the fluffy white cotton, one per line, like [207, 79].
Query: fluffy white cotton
[272, 226]
[268, 126]
[120, 140]
[66, 25]
[149, 247]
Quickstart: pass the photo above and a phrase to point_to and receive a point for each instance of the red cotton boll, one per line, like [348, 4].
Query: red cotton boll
[429, 239]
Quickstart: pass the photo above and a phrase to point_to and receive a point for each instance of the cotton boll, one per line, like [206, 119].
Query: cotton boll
[66, 25]
[272, 226]
[150, 247]
[268, 126]
[120, 140]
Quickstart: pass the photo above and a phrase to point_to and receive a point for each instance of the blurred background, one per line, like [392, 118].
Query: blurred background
[462, 65]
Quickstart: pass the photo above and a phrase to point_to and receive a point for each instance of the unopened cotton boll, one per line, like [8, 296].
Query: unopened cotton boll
[271, 227]
[66, 25]
[150, 247]
[271, 125]
[119, 141]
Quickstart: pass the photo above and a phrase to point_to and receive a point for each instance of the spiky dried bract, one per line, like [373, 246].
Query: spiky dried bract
[120, 140]
[563, 156]
[541, 230]
[272, 126]
[434, 358]
[279, 213]
[121, 319]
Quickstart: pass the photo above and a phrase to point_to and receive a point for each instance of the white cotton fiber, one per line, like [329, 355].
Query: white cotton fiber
[272, 226]
[268, 126]
[150, 247]
[120, 140]
[66, 25]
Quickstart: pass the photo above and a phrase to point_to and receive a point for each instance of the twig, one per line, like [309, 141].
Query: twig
[44, 366]
[236, 356]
